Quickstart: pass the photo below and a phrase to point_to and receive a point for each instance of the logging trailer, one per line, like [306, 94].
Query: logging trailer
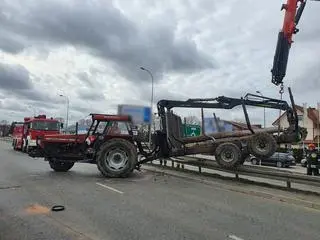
[113, 144]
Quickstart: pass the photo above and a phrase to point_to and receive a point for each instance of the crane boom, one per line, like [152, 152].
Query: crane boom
[293, 11]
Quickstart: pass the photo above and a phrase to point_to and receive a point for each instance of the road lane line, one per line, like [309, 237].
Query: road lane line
[110, 188]
[234, 237]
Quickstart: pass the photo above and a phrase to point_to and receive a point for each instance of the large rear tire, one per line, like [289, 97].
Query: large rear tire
[60, 166]
[117, 158]
[262, 145]
[228, 155]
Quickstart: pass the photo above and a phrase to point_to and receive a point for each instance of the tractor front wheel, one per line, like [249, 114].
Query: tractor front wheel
[117, 158]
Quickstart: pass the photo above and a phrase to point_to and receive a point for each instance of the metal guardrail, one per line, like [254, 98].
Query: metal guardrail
[6, 139]
[252, 171]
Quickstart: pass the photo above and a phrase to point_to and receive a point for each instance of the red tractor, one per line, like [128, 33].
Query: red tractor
[110, 143]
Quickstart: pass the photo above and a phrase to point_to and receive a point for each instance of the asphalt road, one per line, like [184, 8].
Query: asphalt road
[145, 206]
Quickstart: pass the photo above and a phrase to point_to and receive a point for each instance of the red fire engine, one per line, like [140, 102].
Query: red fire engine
[17, 133]
[25, 134]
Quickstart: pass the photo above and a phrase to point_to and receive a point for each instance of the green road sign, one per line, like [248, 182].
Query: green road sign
[191, 130]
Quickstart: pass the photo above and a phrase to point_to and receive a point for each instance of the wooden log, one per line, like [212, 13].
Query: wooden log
[226, 135]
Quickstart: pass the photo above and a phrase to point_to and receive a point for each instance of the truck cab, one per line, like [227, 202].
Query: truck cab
[36, 127]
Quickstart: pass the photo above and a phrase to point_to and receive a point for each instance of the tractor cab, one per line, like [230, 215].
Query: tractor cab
[105, 127]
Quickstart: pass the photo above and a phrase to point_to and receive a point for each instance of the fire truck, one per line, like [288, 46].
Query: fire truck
[17, 133]
[25, 134]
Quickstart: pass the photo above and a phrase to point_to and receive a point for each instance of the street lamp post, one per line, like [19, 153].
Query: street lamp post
[67, 98]
[264, 112]
[151, 103]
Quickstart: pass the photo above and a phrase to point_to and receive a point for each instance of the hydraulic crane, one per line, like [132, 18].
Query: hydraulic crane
[293, 11]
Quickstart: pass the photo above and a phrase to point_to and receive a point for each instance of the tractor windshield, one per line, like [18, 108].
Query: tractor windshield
[115, 128]
[45, 125]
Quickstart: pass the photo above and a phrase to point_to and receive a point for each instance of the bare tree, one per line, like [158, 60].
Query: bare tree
[193, 120]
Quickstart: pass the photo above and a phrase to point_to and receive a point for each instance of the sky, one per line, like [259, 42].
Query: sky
[91, 51]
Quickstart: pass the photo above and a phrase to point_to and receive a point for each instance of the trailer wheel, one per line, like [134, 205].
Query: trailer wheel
[60, 166]
[262, 145]
[117, 158]
[228, 155]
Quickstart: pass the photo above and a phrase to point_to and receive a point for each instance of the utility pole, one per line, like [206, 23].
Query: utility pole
[151, 102]
[67, 98]
[202, 121]
[318, 137]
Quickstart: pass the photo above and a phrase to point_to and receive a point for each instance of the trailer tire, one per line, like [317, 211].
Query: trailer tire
[60, 166]
[228, 155]
[117, 158]
[262, 145]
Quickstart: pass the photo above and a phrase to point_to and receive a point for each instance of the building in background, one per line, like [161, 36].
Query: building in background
[308, 118]
[210, 125]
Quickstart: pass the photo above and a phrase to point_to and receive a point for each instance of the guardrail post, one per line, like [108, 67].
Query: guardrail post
[172, 163]
[182, 166]
[199, 169]
[165, 162]
[288, 184]
[237, 176]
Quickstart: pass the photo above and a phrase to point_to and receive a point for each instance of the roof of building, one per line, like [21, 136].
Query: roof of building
[312, 114]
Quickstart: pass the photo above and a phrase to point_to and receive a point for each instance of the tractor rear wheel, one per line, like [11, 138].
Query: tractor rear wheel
[60, 166]
[117, 158]
[262, 145]
[228, 155]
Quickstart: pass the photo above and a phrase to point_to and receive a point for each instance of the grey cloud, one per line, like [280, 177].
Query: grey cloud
[84, 77]
[15, 80]
[9, 44]
[309, 78]
[106, 32]
[14, 77]
[90, 94]
[13, 105]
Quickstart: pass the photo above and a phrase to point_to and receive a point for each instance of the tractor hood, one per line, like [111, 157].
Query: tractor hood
[63, 138]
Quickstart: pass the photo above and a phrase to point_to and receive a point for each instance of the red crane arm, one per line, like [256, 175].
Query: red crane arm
[289, 18]
[293, 11]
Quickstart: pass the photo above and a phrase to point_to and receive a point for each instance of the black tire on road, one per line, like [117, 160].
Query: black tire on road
[228, 155]
[262, 145]
[60, 166]
[117, 158]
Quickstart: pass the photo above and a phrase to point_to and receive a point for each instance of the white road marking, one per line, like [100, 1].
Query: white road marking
[110, 188]
[234, 237]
